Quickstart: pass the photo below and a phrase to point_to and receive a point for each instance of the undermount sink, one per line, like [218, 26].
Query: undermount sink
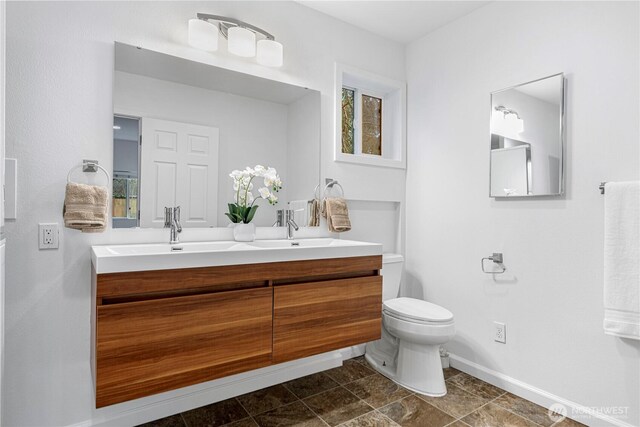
[162, 248]
[300, 243]
[163, 256]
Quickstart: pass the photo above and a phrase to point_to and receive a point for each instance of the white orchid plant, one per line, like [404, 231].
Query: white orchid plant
[244, 208]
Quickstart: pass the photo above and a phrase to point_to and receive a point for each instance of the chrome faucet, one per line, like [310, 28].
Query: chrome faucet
[172, 221]
[284, 218]
[290, 223]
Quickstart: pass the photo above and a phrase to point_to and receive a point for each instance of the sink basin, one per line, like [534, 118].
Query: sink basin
[297, 243]
[163, 256]
[165, 248]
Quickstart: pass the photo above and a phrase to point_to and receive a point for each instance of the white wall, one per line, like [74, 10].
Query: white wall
[252, 131]
[551, 295]
[59, 93]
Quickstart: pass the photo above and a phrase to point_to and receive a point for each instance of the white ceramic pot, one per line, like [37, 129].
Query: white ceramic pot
[244, 232]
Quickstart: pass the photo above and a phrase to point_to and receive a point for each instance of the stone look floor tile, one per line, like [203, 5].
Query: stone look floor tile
[371, 419]
[246, 422]
[526, 409]
[216, 414]
[359, 359]
[310, 385]
[450, 372]
[568, 422]
[456, 402]
[414, 412]
[476, 386]
[337, 406]
[172, 421]
[294, 414]
[377, 390]
[458, 423]
[266, 399]
[350, 370]
[492, 415]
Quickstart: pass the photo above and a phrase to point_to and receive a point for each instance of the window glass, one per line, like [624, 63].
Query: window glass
[348, 114]
[119, 198]
[371, 125]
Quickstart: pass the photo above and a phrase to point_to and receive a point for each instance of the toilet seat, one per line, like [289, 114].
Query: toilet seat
[417, 311]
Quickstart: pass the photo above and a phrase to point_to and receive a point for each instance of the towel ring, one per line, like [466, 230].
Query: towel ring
[89, 166]
[332, 184]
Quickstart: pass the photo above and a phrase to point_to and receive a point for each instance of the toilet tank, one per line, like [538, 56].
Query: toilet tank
[391, 275]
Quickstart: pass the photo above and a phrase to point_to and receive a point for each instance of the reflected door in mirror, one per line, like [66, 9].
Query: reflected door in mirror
[180, 168]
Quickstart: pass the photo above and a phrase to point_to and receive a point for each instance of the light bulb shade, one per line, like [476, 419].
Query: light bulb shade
[269, 53]
[203, 35]
[519, 126]
[242, 42]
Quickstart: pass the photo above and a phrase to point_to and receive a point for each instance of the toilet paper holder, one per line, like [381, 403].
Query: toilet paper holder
[497, 258]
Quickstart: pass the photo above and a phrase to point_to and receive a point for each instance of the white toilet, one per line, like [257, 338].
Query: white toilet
[412, 332]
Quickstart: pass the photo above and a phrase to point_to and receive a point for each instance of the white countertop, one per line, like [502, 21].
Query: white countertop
[160, 256]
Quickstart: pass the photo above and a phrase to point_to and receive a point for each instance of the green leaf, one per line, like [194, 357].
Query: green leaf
[232, 218]
[250, 214]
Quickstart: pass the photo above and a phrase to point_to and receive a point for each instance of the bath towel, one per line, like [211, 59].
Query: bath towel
[85, 207]
[622, 259]
[337, 214]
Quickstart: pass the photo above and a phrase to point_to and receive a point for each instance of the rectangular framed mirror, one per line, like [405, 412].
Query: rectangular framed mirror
[527, 139]
[180, 127]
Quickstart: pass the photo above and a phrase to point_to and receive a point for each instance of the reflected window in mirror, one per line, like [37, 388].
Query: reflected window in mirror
[527, 139]
[126, 171]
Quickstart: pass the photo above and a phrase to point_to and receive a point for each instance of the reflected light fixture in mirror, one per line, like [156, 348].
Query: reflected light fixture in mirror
[507, 119]
[241, 36]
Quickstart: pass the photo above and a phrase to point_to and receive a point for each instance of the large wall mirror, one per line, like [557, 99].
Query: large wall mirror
[180, 127]
[527, 139]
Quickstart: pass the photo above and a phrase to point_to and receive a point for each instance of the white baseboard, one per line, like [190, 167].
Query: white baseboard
[172, 402]
[584, 415]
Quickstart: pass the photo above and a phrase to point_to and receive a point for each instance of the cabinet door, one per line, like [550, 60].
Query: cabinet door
[148, 347]
[313, 318]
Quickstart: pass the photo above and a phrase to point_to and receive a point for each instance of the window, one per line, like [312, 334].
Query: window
[361, 122]
[370, 120]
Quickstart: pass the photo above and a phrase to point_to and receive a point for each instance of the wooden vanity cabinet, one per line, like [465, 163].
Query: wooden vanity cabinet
[156, 331]
[316, 317]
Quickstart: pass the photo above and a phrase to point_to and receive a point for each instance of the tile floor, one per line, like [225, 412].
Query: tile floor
[354, 395]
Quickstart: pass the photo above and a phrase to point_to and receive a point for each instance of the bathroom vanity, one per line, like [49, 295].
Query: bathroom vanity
[164, 319]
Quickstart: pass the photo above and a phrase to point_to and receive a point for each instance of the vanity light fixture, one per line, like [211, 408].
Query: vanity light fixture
[511, 118]
[241, 36]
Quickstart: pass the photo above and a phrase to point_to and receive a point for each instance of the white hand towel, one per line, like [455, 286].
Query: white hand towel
[622, 259]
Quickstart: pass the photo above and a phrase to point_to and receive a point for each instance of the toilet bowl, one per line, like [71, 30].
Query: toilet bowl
[412, 332]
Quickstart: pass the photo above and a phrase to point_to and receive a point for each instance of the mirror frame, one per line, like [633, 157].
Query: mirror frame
[561, 134]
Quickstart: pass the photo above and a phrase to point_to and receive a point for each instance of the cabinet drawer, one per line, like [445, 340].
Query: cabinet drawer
[148, 347]
[313, 318]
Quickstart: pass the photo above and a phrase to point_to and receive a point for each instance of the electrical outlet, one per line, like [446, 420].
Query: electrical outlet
[48, 236]
[500, 334]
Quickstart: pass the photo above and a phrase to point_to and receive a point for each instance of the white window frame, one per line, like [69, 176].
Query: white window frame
[393, 95]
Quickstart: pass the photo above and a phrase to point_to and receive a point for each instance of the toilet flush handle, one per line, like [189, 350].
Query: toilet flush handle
[497, 259]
